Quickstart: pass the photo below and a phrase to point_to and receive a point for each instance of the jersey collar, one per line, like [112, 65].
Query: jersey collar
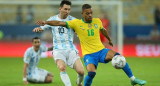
[86, 22]
[60, 18]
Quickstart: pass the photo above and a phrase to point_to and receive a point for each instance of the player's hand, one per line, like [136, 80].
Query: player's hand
[25, 82]
[37, 29]
[42, 23]
[110, 43]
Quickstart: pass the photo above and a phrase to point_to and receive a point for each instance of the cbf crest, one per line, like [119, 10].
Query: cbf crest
[89, 25]
[95, 25]
[81, 27]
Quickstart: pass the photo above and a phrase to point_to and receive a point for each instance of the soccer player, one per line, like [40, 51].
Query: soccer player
[93, 50]
[64, 52]
[31, 58]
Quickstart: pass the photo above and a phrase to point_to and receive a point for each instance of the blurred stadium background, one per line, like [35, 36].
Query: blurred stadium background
[136, 22]
[18, 19]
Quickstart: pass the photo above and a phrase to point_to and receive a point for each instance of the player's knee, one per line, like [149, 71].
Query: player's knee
[81, 72]
[62, 68]
[91, 74]
[48, 79]
[50, 74]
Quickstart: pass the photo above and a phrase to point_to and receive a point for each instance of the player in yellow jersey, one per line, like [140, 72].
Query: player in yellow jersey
[93, 50]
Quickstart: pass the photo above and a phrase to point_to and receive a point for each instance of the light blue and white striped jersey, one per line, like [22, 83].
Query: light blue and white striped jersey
[32, 58]
[62, 37]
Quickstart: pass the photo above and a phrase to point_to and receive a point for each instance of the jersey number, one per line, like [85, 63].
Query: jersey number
[61, 30]
[90, 32]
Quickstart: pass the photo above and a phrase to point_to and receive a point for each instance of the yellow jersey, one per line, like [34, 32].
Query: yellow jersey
[88, 34]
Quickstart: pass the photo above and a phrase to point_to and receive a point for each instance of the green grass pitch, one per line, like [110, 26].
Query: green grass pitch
[143, 68]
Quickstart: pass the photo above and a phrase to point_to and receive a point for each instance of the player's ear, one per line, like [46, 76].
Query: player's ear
[60, 8]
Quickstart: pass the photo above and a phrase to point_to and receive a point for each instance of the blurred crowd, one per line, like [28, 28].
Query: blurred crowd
[132, 16]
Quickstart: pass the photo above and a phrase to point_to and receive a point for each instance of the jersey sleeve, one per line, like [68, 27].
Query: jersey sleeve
[45, 27]
[100, 24]
[27, 56]
[71, 24]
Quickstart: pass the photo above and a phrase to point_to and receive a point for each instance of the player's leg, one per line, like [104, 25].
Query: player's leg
[60, 59]
[78, 66]
[49, 78]
[64, 76]
[91, 65]
[41, 76]
[126, 68]
[74, 62]
[91, 74]
[50, 74]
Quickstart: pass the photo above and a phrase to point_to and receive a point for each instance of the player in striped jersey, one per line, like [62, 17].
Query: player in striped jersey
[64, 50]
[31, 58]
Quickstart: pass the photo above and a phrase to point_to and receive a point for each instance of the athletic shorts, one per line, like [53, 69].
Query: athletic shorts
[68, 56]
[96, 57]
[38, 76]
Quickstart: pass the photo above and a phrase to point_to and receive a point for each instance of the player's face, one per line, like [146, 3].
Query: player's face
[87, 15]
[65, 10]
[36, 43]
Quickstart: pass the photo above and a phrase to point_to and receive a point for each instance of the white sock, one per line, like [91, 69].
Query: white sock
[65, 78]
[132, 78]
[80, 79]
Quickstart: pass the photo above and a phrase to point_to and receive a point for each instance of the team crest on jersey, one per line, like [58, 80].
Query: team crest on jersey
[89, 25]
[95, 25]
[81, 27]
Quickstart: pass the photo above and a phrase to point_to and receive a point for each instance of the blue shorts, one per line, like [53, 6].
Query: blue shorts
[96, 57]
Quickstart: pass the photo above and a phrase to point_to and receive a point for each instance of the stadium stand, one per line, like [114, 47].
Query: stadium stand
[134, 11]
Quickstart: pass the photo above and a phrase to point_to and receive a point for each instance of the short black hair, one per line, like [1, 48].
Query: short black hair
[86, 6]
[35, 38]
[65, 2]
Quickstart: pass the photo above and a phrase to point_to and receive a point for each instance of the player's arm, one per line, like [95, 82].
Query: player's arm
[38, 29]
[52, 23]
[105, 33]
[24, 73]
[41, 28]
